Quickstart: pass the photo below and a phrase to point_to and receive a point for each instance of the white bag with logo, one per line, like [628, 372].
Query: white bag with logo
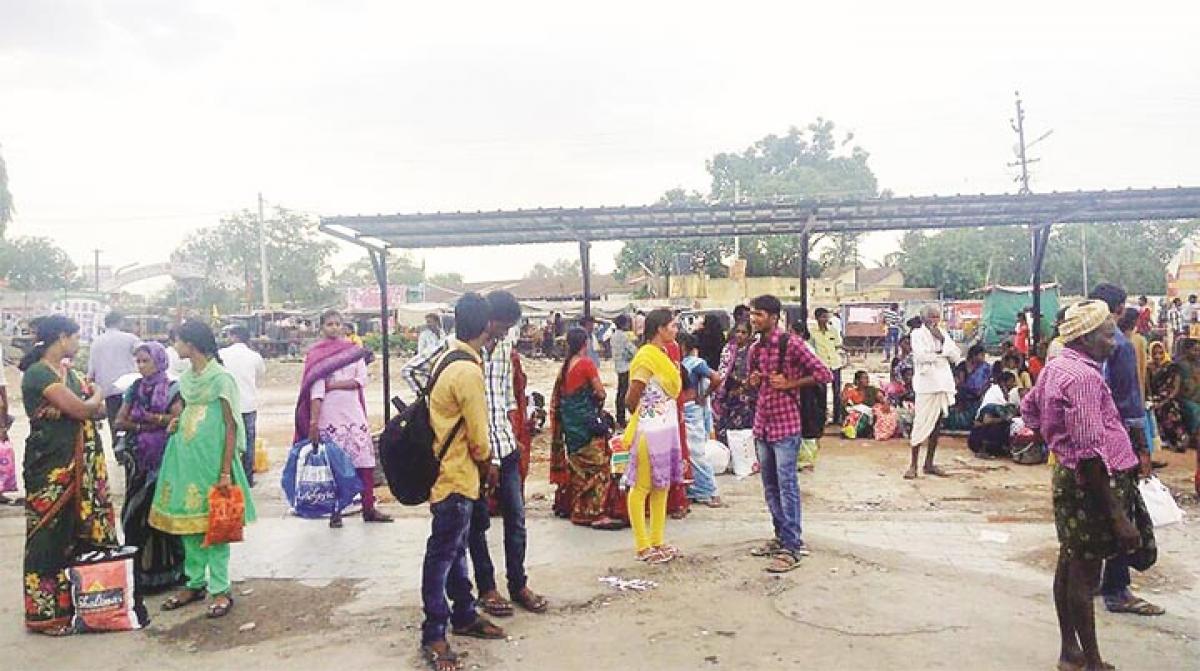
[742, 454]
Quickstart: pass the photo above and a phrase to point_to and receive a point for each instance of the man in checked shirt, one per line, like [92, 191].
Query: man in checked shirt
[503, 314]
[779, 366]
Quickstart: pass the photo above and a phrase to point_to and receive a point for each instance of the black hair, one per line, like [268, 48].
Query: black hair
[622, 322]
[327, 314]
[49, 330]
[503, 307]
[576, 340]
[587, 319]
[1129, 319]
[1006, 376]
[975, 351]
[914, 323]
[1111, 294]
[820, 312]
[862, 373]
[113, 319]
[200, 336]
[687, 341]
[1016, 356]
[768, 304]
[471, 314]
[654, 321]
[240, 333]
[741, 312]
[712, 323]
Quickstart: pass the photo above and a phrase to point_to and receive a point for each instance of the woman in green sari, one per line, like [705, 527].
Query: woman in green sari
[201, 454]
[67, 509]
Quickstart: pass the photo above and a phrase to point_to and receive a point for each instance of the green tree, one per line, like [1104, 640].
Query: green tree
[801, 164]
[1133, 256]
[447, 280]
[6, 199]
[298, 257]
[36, 264]
[402, 269]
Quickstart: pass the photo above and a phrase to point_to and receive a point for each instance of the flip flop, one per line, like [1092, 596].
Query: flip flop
[481, 628]
[173, 602]
[218, 609]
[937, 471]
[496, 606]
[435, 659]
[1135, 606]
[784, 562]
[534, 603]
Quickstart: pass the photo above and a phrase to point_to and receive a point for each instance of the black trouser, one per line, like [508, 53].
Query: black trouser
[839, 411]
[112, 405]
[622, 389]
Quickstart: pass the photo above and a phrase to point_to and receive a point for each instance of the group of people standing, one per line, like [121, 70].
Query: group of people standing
[182, 442]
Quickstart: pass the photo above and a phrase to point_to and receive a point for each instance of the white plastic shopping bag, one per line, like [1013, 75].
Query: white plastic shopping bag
[717, 455]
[1159, 502]
[742, 454]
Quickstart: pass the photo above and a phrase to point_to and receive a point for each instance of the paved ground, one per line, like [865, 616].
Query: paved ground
[908, 575]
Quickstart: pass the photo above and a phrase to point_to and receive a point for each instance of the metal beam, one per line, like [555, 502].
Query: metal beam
[379, 263]
[585, 263]
[1041, 238]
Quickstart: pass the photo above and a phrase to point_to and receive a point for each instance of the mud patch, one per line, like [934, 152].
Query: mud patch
[276, 608]
[1167, 575]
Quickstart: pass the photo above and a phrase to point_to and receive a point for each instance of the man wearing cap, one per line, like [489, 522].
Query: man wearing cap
[1098, 512]
[1121, 375]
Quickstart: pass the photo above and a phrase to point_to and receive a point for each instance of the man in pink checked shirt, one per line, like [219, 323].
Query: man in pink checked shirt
[1098, 511]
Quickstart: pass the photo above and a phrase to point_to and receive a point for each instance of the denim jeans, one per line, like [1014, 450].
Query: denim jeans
[782, 487]
[839, 411]
[250, 419]
[622, 390]
[704, 485]
[512, 508]
[890, 343]
[445, 569]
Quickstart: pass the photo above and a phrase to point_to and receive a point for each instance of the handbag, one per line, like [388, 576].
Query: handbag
[103, 593]
[8, 468]
[226, 515]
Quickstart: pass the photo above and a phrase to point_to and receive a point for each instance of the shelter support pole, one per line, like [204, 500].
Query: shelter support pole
[1041, 236]
[585, 263]
[379, 263]
[804, 276]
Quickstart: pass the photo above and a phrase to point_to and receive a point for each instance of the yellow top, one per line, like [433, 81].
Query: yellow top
[459, 393]
[826, 345]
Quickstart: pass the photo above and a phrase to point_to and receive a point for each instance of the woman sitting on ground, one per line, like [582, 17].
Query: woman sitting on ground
[1166, 381]
[860, 399]
[579, 451]
[972, 375]
[989, 436]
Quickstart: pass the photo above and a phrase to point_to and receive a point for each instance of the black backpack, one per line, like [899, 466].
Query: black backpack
[406, 446]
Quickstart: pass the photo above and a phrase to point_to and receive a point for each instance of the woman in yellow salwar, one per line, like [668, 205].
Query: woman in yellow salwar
[67, 509]
[656, 459]
[201, 454]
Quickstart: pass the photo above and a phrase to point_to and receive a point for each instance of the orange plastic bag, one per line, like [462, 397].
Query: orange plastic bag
[226, 515]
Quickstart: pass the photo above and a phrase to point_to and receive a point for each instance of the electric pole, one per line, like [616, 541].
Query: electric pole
[262, 255]
[1039, 232]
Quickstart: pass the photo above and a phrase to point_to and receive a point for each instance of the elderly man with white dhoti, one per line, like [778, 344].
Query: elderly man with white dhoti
[933, 352]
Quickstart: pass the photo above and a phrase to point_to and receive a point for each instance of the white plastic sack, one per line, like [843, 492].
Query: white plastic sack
[742, 454]
[717, 455]
[1159, 502]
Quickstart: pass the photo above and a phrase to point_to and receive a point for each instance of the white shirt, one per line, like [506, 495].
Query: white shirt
[932, 361]
[246, 366]
[993, 396]
[428, 340]
[176, 365]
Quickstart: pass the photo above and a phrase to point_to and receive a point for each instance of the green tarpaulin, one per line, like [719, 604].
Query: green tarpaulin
[1001, 305]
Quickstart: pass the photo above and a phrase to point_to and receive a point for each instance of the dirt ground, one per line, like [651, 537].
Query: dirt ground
[927, 574]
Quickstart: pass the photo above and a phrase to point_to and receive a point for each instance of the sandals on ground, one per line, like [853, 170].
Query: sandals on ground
[767, 549]
[936, 471]
[220, 608]
[784, 561]
[653, 556]
[1136, 606]
[376, 516]
[495, 605]
[183, 598]
[442, 661]
[481, 628]
[530, 601]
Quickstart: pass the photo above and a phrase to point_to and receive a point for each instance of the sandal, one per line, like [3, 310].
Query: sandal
[670, 551]
[608, 524]
[220, 608]
[653, 556]
[767, 549]
[481, 628]
[495, 605]
[441, 661]
[936, 471]
[183, 598]
[1136, 606]
[534, 603]
[783, 562]
[715, 502]
[376, 516]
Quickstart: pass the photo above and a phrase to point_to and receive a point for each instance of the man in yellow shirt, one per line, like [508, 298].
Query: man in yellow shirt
[457, 409]
[827, 344]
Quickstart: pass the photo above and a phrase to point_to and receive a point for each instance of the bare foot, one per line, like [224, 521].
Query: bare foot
[936, 470]
[911, 473]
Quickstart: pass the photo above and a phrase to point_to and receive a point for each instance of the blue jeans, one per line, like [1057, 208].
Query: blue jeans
[890, 343]
[512, 508]
[445, 569]
[250, 419]
[781, 487]
[704, 486]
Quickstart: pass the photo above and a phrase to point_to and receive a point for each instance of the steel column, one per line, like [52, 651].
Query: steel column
[379, 262]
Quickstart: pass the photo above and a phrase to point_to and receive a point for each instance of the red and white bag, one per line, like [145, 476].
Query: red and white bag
[102, 591]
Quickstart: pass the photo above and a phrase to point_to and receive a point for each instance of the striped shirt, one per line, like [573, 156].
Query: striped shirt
[893, 318]
[1074, 410]
[498, 388]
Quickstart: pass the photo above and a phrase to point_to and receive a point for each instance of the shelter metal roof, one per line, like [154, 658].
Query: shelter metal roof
[502, 227]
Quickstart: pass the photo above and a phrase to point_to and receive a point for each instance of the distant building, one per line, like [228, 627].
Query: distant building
[562, 288]
[87, 311]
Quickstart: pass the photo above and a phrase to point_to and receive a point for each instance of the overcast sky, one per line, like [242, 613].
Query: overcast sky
[127, 124]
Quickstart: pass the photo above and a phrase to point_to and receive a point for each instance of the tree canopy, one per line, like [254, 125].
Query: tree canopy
[36, 264]
[6, 199]
[802, 163]
[298, 259]
[1133, 256]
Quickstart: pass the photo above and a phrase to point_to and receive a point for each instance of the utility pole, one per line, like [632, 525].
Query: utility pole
[1019, 126]
[1039, 231]
[262, 255]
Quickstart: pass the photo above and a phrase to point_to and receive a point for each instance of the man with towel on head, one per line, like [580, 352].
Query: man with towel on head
[933, 354]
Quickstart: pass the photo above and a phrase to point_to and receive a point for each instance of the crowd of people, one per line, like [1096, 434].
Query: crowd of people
[1099, 394]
